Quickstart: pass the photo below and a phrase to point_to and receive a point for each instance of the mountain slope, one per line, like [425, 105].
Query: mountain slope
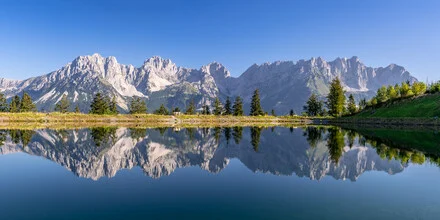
[283, 84]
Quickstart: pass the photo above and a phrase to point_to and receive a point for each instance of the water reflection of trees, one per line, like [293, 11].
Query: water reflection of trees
[255, 137]
[21, 136]
[103, 136]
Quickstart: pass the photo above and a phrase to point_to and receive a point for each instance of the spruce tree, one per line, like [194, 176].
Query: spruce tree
[206, 110]
[162, 110]
[99, 104]
[3, 104]
[314, 106]
[63, 105]
[256, 109]
[238, 107]
[217, 107]
[26, 104]
[14, 106]
[77, 109]
[336, 98]
[112, 106]
[352, 108]
[228, 110]
[292, 112]
[137, 106]
[273, 112]
[191, 110]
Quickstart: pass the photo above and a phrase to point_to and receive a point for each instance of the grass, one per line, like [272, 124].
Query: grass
[77, 120]
[426, 106]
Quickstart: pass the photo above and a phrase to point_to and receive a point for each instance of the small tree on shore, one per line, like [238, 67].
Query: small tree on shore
[228, 110]
[237, 108]
[292, 112]
[99, 104]
[77, 109]
[162, 110]
[217, 107]
[191, 110]
[112, 106]
[314, 106]
[3, 104]
[137, 106]
[272, 112]
[352, 108]
[206, 110]
[256, 109]
[26, 103]
[63, 105]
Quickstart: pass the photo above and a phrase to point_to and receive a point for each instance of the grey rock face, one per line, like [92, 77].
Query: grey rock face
[283, 85]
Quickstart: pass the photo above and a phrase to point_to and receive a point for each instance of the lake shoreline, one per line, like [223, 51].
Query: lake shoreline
[431, 122]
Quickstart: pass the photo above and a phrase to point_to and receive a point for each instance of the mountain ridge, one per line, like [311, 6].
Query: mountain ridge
[284, 85]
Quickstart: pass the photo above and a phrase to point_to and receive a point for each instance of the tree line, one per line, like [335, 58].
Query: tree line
[336, 103]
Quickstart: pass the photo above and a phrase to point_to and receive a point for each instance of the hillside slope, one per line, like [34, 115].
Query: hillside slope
[427, 106]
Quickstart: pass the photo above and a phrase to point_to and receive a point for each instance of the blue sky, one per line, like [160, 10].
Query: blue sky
[39, 37]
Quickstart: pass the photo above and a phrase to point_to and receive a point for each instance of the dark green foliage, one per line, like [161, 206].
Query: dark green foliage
[26, 103]
[313, 135]
[176, 109]
[352, 108]
[77, 109]
[227, 133]
[336, 98]
[162, 110]
[206, 110]
[228, 108]
[103, 136]
[99, 105]
[113, 109]
[191, 110]
[137, 106]
[4, 107]
[63, 105]
[21, 136]
[435, 87]
[255, 137]
[314, 106]
[218, 109]
[237, 134]
[137, 133]
[238, 107]
[256, 109]
[335, 143]
[292, 112]
[273, 112]
[217, 134]
[362, 104]
[14, 106]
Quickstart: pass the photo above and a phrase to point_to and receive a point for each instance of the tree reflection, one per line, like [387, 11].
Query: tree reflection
[191, 133]
[103, 135]
[137, 133]
[313, 135]
[217, 134]
[2, 137]
[255, 137]
[21, 136]
[237, 134]
[335, 143]
[227, 133]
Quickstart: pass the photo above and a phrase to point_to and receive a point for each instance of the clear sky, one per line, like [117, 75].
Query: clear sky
[37, 37]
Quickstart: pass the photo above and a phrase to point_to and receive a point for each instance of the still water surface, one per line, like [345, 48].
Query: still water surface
[219, 173]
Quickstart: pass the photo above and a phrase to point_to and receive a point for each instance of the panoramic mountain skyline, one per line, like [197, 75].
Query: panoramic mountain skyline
[284, 85]
[38, 37]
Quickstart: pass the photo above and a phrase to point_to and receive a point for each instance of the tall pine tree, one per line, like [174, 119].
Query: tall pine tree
[162, 110]
[217, 107]
[313, 106]
[26, 103]
[336, 98]
[3, 104]
[137, 106]
[191, 110]
[256, 109]
[99, 104]
[112, 106]
[63, 105]
[352, 108]
[228, 110]
[238, 107]
[14, 106]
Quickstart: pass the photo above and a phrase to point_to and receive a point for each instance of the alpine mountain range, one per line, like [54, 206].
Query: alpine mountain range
[283, 85]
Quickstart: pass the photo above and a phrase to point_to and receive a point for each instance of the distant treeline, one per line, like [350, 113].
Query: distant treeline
[337, 105]
[106, 105]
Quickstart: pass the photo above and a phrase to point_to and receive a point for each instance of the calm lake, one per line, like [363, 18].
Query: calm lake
[220, 173]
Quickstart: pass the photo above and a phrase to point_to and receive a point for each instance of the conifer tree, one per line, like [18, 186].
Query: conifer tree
[313, 106]
[238, 107]
[336, 98]
[256, 109]
[362, 103]
[162, 110]
[99, 104]
[63, 105]
[352, 108]
[26, 104]
[137, 106]
[3, 104]
[228, 110]
[381, 94]
[206, 110]
[191, 110]
[112, 106]
[77, 109]
[273, 112]
[217, 107]
[291, 113]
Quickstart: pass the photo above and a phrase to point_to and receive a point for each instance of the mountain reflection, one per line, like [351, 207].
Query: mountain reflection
[312, 152]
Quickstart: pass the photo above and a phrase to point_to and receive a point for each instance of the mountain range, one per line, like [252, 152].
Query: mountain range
[283, 85]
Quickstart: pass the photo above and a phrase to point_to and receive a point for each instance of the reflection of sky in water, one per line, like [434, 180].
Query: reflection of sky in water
[34, 187]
